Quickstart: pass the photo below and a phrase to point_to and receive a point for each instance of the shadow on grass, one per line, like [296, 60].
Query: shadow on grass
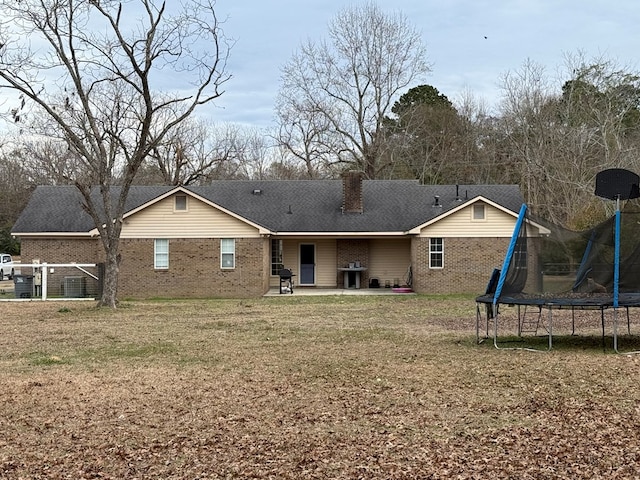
[581, 343]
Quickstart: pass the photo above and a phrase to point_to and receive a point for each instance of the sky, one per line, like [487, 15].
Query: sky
[268, 32]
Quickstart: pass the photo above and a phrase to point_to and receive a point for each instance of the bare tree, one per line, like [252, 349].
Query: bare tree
[604, 98]
[283, 167]
[44, 161]
[480, 147]
[526, 94]
[15, 188]
[253, 154]
[308, 136]
[335, 94]
[194, 153]
[561, 138]
[91, 74]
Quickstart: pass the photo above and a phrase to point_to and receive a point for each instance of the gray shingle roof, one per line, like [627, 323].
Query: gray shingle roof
[58, 209]
[315, 205]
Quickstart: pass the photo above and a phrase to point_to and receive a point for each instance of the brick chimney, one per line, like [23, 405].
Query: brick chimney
[352, 192]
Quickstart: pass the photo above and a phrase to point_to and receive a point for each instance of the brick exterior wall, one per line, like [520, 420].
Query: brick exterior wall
[194, 270]
[194, 266]
[349, 251]
[266, 264]
[468, 263]
[53, 250]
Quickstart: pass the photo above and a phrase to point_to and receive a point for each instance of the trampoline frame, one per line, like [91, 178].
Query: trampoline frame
[592, 302]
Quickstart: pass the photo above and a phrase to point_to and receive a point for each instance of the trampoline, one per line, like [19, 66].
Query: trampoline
[598, 269]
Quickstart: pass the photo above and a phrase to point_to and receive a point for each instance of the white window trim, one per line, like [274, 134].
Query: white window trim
[281, 263]
[186, 203]
[223, 253]
[156, 252]
[440, 252]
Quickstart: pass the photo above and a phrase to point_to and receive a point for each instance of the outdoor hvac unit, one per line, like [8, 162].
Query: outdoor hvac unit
[74, 287]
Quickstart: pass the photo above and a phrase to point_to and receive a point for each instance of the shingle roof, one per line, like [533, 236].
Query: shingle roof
[58, 209]
[282, 205]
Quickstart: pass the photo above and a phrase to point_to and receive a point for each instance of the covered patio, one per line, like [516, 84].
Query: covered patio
[309, 291]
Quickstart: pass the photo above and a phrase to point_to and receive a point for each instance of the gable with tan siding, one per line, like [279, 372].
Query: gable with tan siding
[497, 223]
[161, 220]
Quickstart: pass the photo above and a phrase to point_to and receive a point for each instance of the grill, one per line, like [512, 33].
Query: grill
[286, 281]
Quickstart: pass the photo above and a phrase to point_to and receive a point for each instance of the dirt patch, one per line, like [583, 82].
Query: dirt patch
[315, 387]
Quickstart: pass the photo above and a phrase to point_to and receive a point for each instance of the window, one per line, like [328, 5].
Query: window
[478, 211]
[276, 257]
[436, 253]
[161, 254]
[181, 203]
[227, 253]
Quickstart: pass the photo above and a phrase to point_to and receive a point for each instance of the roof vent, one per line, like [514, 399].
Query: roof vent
[458, 199]
[257, 191]
[436, 201]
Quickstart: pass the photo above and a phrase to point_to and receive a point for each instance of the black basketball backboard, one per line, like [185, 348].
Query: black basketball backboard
[617, 184]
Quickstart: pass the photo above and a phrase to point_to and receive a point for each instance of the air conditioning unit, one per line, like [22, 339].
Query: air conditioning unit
[75, 287]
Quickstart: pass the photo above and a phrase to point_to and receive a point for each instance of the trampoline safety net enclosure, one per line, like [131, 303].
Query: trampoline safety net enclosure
[550, 267]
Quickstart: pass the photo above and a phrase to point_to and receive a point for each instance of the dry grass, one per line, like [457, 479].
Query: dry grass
[304, 387]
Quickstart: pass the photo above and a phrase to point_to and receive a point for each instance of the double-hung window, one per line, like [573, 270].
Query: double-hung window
[276, 257]
[227, 253]
[436, 253]
[161, 254]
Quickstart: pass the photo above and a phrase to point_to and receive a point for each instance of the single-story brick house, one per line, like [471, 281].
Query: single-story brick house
[231, 238]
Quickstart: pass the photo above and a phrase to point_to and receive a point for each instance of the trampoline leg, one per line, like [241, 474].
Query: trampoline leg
[486, 335]
[615, 330]
[604, 346]
[495, 328]
[550, 328]
[487, 325]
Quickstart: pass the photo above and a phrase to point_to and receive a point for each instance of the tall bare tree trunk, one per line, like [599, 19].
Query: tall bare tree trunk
[109, 296]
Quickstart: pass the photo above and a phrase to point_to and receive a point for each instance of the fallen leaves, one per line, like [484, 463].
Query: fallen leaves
[355, 389]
